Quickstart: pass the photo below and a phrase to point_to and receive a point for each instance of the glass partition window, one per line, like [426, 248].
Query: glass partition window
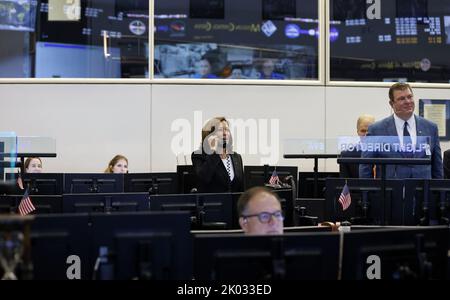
[401, 40]
[8, 152]
[74, 38]
[235, 39]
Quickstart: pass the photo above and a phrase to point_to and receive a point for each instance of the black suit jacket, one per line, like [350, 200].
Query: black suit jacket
[447, 164]
[349, 170]
[212, 176]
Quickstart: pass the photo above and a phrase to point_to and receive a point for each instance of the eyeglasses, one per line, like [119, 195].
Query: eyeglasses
[265, 217]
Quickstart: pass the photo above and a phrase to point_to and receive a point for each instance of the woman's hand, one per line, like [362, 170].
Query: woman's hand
[213, 142]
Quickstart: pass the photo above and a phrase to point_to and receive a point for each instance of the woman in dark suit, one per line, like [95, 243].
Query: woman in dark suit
[217, 167]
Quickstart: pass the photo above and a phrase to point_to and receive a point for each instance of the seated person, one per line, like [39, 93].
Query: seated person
[204, 69]
[447, 164]
[352, 170]
[118, 165]
[260, 212]
[217, 167]
[33, 165]
[237, 74]
[267, 71]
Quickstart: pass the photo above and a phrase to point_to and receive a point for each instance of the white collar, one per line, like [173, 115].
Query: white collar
[411, 121]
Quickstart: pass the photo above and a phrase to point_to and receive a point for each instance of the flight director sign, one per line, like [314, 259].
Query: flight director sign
[386, 145]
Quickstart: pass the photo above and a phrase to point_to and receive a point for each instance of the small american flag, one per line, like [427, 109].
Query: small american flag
[345, 199]
[26, 206]
[274, 178]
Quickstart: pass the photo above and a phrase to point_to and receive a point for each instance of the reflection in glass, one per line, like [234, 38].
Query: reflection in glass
[84, 38]
[252, 39]
[408, 43]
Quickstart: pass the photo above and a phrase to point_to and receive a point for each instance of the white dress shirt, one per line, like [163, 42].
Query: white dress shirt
[400, 123]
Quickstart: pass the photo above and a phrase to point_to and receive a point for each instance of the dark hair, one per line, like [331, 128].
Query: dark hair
[398, 86]
[28, 161]
[249, 194]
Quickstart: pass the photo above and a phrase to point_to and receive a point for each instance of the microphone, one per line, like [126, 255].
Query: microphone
[289, 179]
[294, 195]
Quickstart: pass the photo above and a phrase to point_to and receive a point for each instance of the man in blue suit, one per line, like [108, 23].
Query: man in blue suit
[405, 128]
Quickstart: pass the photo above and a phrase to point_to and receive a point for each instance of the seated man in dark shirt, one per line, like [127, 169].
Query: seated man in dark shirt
[352, 170]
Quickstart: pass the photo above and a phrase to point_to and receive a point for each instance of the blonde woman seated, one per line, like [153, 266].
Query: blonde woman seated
[117, 165]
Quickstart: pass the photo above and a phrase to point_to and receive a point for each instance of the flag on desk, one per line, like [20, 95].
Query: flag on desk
[345, 199]
[274, 178]
[26, 206]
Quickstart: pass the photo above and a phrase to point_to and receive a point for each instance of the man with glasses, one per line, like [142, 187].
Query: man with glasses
[412, 137]
[260, 212]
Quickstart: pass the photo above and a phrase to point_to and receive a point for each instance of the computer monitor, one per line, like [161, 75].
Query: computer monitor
[41, 183]
[53, 239]
[308, 229]
[427, 202]
[44, 204]
[18, 15]
[187, 179]
[367, 207]
[289, 256]
[287, 205]
[279, 9]
[235, 199]
[206, 9]
[8, 204]
[115, 202]
[208, 211]
[153, 183]
[86, 61]
[75, 183]
[143, 245]
[313, 207]
[306, 184]
[407, 253]
[260, 175]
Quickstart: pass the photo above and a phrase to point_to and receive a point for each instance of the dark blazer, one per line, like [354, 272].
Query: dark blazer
[349, 170]
[386, 127]
[447, 164]
[212, 176]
